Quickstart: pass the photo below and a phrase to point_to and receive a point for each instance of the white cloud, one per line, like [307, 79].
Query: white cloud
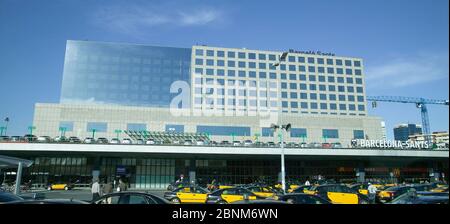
[408, 71]
[132, 19]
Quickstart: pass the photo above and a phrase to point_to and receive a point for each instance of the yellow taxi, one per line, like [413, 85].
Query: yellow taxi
[440, 189]
[230, 195]
[264, 192]
[65, 187]
[187, 195]
[361, 188]
[338, 194]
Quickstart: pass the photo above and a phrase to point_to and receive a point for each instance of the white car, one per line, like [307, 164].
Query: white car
[248, 143]
[187, 142]
[89, 141]
[44, 139]
[114, 141]
[200, 142]
[150, 142]
[127, 141]
[139, 141]
[236, 143]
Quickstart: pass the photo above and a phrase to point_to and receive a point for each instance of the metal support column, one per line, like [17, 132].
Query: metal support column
[18, 178]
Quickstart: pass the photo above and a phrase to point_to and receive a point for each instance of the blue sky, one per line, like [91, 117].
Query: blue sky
[404, 43]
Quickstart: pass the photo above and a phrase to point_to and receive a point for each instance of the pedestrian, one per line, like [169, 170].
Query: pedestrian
[372, 193]
[96, 190]
[108, 188]
[122, 186]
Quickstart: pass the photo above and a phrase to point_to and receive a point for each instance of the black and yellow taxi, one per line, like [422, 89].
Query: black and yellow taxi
[391, 193]
[338, 194]
[265, 192]
[59, 186]
[187, 195]
[230, 195]
[301, 189]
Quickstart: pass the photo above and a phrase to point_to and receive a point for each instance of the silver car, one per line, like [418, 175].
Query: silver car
[89, 140]
[150, 142]
[114, 141]
[127, 141]
[248, 143]
[44, 139]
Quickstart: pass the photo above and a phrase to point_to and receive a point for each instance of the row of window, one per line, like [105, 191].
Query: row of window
[274, 104]
[273, 57]
[283, 67]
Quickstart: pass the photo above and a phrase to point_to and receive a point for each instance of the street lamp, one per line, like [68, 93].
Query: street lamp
[282, 127]
[5, 128]
[117, 131]
[62, 131]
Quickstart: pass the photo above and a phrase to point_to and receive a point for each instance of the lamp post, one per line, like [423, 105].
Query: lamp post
[117, 131]
[62, 130]
[1, 130]
[283, 127]
[31, 128]
[93, 133]
[5, 128]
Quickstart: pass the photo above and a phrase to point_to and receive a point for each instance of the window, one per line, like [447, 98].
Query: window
[267, 132]
[301, 59]
[321, 70]
[220, 54]
[329, 61]
[340, 79]
[348, 71]
[210, 71]
[262, 75]
[262, 56]
[323, 106]
[338, 62]
[292, 68]
[361, 107]
[342, 107]
[273, 75]
[350, 89]
[348, 63]
[302, 77]
[330, 133]
[241, 74]
[294, 105]
[341, 97]
[231, 63]
[302, 86]
[224, 130]
[330, 70]
[241, 55]
[272, 57]
[304, 105]
[358, 81]
[198, 71]
[351, 107]
[293, 95]
[312, 87]
[284, 104]
[291, 59]
[210, 53]
[303, 96]
[339, 71]
[321, 78]
[302, 68]
[313, 105]
[251, 56]
[332, 97]
[330, 79]
[284, 85]
[293, 85]
[331, 88]
[360, 98]
[311, 60]
[359, 89]
[198, 61]
[252, 74]
[350, 80]
[283, 76]
[97, 126]
[322, 88]
[292, 77]
[313, 96]
[231, 73]
[312, 78]
[311, 69]
[320, 61]
[66, 125]
[220, 72]
[199, 52]
[174, 128]
[358, 134]
[284, 95]
[262, 65]
[252, 65]
[357, 63]
[357, 71]
[231, 54]
[333, 106]
[351, 98]
[323, 96]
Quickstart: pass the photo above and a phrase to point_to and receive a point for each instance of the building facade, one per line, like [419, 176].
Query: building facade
[403, 131]
[224, 92]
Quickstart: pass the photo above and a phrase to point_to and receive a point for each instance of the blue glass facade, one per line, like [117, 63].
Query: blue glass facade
[402, 132]
[123, 74]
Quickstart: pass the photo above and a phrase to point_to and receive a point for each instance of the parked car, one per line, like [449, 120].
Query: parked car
[60, 139]
[102, 141]
[139, 141]
[315, 145]
[114, 141]
[302, 198]
[49, 201]
[213, 143]
[336, 145]
[392, 193]
[17, 139]
[303, 145]
[292, 145]
[236, 143]
[187, 142]
[248, 143]
[225, 143]
[74, 140]
[44, 139]
[150, 141]
[187, 194]
[271, 144]
[30, 138]
[4, 138]
[413, 197]
[130, 198]
[8, 197]
[230, 195]
[60, 186]
[89, 140]
[326, 145]
[259, 202]
[127, 141]
[199, 142]
[338, 194]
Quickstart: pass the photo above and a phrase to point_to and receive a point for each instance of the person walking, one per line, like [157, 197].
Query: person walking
[372, 193]
[122, 186]
[108, 188]
[96, 190]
